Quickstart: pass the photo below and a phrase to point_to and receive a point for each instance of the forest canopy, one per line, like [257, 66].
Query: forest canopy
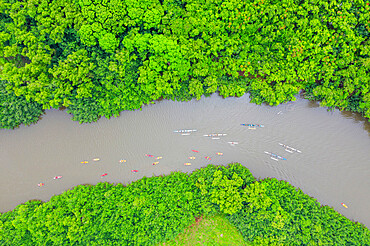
[98, 57]
[154, 210]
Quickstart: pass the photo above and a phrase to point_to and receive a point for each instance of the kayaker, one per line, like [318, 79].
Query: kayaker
[40, 184]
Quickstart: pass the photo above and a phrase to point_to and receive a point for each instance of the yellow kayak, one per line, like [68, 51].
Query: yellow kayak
[344, 205]
[122, 161]
[192, 157]
[96, 159]
[158, 158]
[84, 162]
[187, 164]
[155, 163]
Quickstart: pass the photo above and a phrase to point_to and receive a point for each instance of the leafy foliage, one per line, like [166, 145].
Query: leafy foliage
[155, 210]
[17, 110]
[276, 213]
[181, 50]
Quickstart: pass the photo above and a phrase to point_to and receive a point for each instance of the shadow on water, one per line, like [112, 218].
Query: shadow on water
[357, 118]
[313, 104]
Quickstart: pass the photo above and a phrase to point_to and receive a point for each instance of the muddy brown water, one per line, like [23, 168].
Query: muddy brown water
[334, 166]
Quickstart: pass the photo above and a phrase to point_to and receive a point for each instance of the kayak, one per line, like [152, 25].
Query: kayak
[96, 159]
[233, 142]
[252, 125]
[180, 131]
[185, 134]
[195, 151]
[134, 171]
[57, 177]
[290, 149]
[275, 155]
[192, 157]
[40, 184]
[104, 174]
[187, 164]
[208, 158]
[149, 155]
[122, 161]
[344, 205]
[159, 157]
[84, 162]
[155, 163]
[218, 153]
[215, 135]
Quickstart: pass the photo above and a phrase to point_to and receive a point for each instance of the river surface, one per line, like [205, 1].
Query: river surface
[334, 166]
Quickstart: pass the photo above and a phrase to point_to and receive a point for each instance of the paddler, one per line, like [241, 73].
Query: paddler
[344, 205]
[40, 184]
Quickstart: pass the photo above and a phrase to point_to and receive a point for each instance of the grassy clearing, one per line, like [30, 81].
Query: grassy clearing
[215, 230]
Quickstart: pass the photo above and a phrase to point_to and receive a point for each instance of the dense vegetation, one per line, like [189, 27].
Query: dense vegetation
[99, 57]
[155, 210]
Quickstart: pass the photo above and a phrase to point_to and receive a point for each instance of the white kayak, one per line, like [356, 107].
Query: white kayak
[215, 135]
[290, 149]
[275, 156]
[185, 130]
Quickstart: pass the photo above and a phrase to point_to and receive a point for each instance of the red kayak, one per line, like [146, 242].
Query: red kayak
[149, 155]
[134, 171]
[57, 177]
[105, 174]
[195, 151]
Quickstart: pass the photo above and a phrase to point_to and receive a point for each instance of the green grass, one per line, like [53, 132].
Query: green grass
[215, 230]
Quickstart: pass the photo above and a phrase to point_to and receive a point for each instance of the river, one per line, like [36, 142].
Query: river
[334, 166]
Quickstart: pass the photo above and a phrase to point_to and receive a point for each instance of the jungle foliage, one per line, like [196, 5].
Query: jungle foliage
[16, 110]
[155, 210]
[99, 57]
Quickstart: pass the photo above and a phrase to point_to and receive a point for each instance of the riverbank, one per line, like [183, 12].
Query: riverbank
[332, 164]
[102, 66]
[154, 210]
